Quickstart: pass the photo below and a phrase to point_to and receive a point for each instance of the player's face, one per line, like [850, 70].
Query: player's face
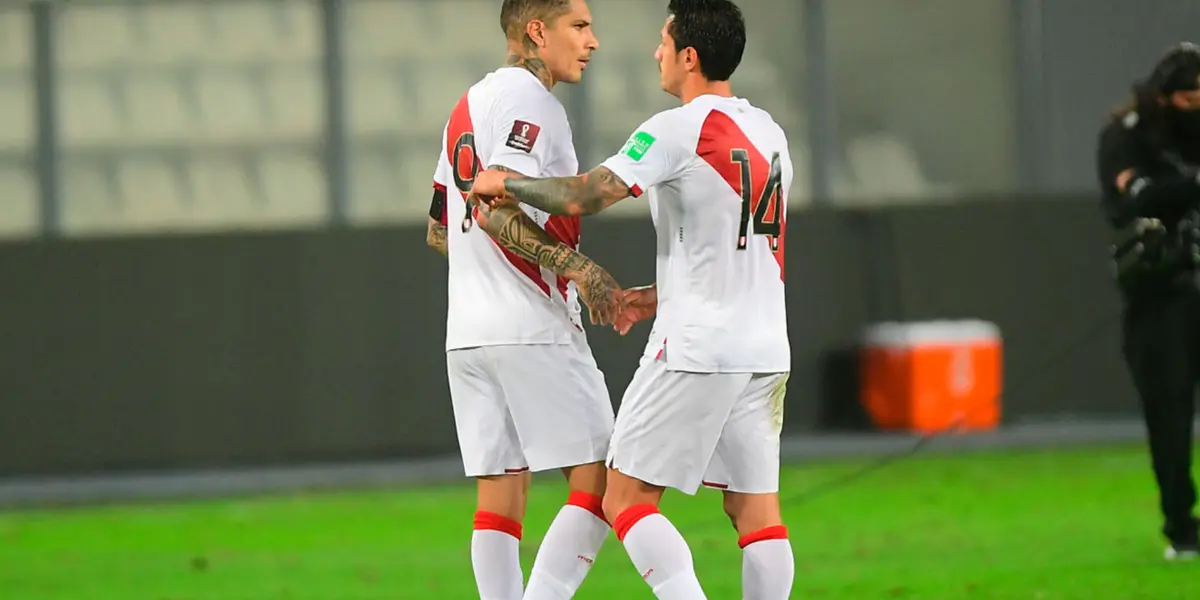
[570, 43]
[671, 71]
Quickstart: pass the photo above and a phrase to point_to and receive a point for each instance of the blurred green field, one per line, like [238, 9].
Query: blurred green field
[1077, 524]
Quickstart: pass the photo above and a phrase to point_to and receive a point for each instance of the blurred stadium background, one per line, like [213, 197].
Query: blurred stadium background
[214, 282]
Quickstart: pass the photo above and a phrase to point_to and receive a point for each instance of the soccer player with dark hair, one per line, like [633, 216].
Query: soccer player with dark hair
[526, 391]
[706, 404]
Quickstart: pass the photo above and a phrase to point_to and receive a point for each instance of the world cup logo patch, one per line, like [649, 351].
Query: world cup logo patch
[523, 136]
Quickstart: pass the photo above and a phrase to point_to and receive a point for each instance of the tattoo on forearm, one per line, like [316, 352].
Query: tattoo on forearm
[514, 230]
[436, 238]
[532, 63]
[586, 194]
[510, 226]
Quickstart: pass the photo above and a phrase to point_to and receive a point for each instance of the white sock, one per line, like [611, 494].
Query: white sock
[659, 552]
[568, 550]
[768, 567]
[496, 558]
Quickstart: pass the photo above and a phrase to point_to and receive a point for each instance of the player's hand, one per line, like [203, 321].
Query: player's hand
[601, 294]
[640, 304]
[488, 188]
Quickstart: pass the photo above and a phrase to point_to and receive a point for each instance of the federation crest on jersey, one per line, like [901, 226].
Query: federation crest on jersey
[523, 136]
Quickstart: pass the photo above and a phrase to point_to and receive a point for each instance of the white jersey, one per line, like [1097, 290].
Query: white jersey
[507, 119]
[717, 171]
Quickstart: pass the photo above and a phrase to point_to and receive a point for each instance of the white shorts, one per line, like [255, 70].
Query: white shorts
[528, 408]
[680, 430]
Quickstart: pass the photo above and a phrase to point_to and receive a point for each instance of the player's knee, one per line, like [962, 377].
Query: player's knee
[588, 479]
[619, 495]
[752, 512]
[623, 492]
[504, 495]
[613, 507]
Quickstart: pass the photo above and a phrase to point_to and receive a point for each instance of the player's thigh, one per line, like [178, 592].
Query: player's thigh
[487, 436]
[747, 454]
[669, 423]
[559, 403]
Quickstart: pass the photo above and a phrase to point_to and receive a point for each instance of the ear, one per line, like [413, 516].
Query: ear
[536, 30]
[691, 60]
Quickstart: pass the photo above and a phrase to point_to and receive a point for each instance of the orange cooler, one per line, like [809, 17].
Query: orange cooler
[930, 376]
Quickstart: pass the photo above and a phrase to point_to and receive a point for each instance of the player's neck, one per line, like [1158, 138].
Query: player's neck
[528, 60]
[694, 87]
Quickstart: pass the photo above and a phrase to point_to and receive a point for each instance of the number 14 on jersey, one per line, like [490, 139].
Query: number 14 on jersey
[762, 207]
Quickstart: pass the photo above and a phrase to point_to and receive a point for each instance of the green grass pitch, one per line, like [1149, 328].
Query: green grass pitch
[1045, 525]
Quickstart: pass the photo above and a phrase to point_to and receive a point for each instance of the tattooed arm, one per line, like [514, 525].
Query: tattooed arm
[435, 233]
[435, 236]
[585, 194]
[514, 230]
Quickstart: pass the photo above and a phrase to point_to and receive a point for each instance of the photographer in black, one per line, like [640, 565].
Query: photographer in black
[1149, 168]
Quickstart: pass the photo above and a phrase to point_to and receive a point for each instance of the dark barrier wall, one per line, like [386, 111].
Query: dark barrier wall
[267, 348]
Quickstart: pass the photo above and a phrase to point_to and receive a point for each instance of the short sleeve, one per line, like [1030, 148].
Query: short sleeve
[652, 155]
[522, 135]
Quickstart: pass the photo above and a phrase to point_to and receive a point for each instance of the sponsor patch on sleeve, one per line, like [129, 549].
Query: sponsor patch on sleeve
[637, 145]
[523, 136]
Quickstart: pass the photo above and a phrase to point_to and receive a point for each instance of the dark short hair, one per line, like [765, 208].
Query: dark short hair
[715, 29]
[516, 14]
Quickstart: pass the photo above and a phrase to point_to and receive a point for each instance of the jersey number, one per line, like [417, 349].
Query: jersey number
[763, 213]
[465, 163]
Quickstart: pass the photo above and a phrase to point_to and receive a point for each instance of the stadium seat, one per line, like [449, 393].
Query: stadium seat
[486, 43]
[158, 110]
[16, 112]
[88, 111]
[800, 193]
[302, 35]
[607, 83]
[220, 194]
[89, 201]
[248, 31]
[759, 81]
[624, 94]
[376, 101]
[97, 35]
[296, 107]
[394, 187]
[15, 38]
[437, 91]
[19, 214]
[884, 167]
[295, 192]
[153, 195]
[172, 33]
[394, 30]
[231, 106]
[377, 190]
[247, 76]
